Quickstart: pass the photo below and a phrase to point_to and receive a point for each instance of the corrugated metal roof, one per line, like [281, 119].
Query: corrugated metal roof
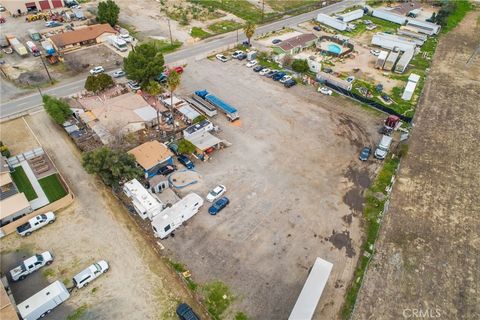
[81, 35]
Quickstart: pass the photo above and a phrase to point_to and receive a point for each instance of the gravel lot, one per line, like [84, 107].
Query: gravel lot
[427, 260]
[139, 284]
[295, 187]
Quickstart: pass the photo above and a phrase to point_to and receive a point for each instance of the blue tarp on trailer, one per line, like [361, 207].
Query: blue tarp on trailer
[216, 101]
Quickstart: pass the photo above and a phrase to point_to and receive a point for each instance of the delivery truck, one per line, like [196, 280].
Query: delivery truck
[43, 302]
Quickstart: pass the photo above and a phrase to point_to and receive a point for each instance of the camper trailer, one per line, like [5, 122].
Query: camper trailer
[42, 303]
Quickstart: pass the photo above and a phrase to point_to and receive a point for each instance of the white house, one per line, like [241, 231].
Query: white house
[173, 217]
[145, 204]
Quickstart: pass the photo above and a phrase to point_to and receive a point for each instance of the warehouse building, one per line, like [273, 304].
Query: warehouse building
[16, 7]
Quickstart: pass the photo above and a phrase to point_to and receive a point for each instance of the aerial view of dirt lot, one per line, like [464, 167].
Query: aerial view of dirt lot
[294, 181]
[95, 227]
[427, 259]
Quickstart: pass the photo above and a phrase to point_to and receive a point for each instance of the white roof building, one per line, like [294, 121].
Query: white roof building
[352, 15]
[424, 26]
[410, 88]
[332, 22]
[391, 41]
[145, 204]
[389, 16]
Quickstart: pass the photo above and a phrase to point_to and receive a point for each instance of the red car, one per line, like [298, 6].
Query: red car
[179, 70]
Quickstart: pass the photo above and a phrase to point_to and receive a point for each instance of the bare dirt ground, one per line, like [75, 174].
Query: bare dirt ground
[428, 253]
[295, 186]
[16, 136]
[139, 284]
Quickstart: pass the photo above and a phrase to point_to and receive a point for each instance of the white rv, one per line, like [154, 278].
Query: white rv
[118, 43]
[43, 302]
[171, 218]
[145, 204]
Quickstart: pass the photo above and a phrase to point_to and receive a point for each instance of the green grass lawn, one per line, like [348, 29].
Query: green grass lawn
[23, 184]
[52, 187]
[224, 26]
[199, 33]
[241, 8]
[165, 46]
[285, 5]
[462, 7]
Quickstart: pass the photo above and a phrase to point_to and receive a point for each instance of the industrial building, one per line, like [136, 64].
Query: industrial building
[16, 7]
[404, 60]
[144, 203]
[391, 41]
[351, 16]
[151, 156]
[389, 15]
[332, 22]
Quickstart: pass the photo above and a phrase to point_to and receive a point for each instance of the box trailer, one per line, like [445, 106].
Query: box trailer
[391, 60]
[230, 112]
[381, 59]
[43, 302]
[173, 217]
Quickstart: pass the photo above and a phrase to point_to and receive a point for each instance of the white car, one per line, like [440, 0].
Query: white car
[251, 63]
[97, 70]
[30, 265]
[133, 85]
[221, 57]
[264, 71]
[237, 53]
[285, 79]
[119, 74]
[325, 91]
[89, 274]
[216, 193]
[375, 52]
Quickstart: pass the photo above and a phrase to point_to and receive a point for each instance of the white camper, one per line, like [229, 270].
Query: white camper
[43, 302]
[171, 218]
[145, 204]
[118, 43]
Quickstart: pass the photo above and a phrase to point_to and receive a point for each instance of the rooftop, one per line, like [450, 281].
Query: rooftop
[296, 41]
[13, 204]
[203, 140]
[150, 154]
[81, 34]
[141, 197]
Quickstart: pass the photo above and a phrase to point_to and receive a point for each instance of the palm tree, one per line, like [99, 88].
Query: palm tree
[173, 81]
[249, 29]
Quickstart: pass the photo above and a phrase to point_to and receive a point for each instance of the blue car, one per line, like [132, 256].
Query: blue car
[184, 312]
[365, 153]
[186, 162]
[278, 76]
[218, 205]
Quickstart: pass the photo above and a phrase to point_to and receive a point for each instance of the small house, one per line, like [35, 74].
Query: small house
[71, 40]
[151, 156]
[295, 44]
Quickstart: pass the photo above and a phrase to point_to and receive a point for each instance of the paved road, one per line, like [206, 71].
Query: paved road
[32, 101]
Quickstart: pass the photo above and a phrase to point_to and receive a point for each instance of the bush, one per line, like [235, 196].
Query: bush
[58, 109]
[98, 83]
[217, 298]
[185, 147]
[300, 65]
[200, 118]
[4, 150]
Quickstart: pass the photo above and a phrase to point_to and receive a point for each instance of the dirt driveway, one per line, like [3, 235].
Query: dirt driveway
[295, 186]
[428, 253]
[139, 285]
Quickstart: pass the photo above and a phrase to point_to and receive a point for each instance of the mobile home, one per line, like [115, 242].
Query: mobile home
[381, 59]
[389, 16]
[350, 16]
[173, 217]
[404, 60]
[391, 60]
[332, 22]
[390, 41]
[424, 26]
[42, 303]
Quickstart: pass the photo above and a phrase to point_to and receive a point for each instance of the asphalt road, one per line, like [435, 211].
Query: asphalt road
[24, 104]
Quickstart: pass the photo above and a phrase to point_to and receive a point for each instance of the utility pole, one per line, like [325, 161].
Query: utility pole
[46, 69]
[39, 91]
[170, 30]
[263, 9]
[237, 36]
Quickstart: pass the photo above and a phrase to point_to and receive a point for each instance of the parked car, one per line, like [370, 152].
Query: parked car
[386, 97]
[317, 28]
[221, 57]
[119, 74]
[251, 64]
[133, 85]
[52, 24]
[327, 70]
[325, 91]
[184, 312]
[242, 56]
[89, 274]
[36, 223]
[246, 44]
[285, 78]
[264, 71]
[278, 76]
[375, 52]
[186, 162]
[290, 83]
[258, 68]
[271, 73]
[178, 70]
[276, 41]
[31, 265]
[216, 193]
[97, 70]
[218, 205]
[350, 79]
[167, 169]
[162, 78]
[365, 153]
[237, 53]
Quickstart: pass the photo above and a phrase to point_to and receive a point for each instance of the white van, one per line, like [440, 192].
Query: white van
[383, 146]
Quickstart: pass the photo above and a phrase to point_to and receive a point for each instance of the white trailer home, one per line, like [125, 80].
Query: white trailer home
[424, 26]
[404, 60]
[171, 218]
[391, 41]
[144, 203]
[350, 16]
[43, 302]
[381, 59]
[411, 32]
[391, 60]
[389, 16]
[332, 22]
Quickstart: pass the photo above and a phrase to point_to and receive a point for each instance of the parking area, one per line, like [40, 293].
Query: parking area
[295, 187]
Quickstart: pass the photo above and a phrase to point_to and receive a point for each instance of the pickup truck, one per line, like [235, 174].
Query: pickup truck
[31, 265]
[36, 223]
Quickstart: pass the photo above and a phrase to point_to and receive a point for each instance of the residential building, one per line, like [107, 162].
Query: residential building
[151, 156]
[332, 22]
[295, 44]
[351, 15]
[392, 41]
[16, 7]
[144, 203]
[404, 60]
[425, 27]
[389, 15]
[71, 40]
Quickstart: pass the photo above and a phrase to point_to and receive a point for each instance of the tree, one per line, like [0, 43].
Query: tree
[108, 12]
[249, 29]
[98, 83]
[173, 81]
[185, 147]
[111, 166]
[300, 65]
[152, 87]
[4, 150]
[144, 62]
[58, 109]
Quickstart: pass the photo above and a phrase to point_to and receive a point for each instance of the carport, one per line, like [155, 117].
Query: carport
[205, 143]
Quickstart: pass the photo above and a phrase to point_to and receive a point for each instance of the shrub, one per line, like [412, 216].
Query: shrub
[300, 65]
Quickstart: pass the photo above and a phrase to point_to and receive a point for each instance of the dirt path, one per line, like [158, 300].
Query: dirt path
[428, 254]
[140, 285]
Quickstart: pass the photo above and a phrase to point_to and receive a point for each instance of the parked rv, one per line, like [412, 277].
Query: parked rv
[36, 223]
[31, 265]
[171, 218]
[383, 147]
[17, 46]
[118, 43]
[43, 302]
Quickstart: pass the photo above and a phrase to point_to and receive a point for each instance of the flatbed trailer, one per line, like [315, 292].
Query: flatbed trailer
[202, 105]
[230, 112]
